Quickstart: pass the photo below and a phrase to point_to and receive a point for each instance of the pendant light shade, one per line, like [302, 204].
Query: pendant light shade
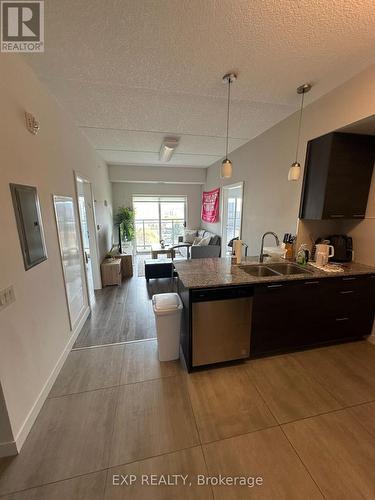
[295, 168]
[226, 165]
[294, 171]
[226, 169]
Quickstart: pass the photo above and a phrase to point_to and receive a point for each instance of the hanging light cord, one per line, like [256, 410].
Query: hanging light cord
[228, 108]
[299, 125]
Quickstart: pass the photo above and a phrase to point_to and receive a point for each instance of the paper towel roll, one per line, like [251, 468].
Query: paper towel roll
[238, 250]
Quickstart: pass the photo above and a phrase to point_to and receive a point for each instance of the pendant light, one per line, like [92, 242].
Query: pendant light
[295, 168]
[226, 165]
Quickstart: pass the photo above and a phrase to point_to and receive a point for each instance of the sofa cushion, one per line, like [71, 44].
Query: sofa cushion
[215, 240]
[209, 251]
[205, 241]
[189, 235]
[196, 241]
[201, 233]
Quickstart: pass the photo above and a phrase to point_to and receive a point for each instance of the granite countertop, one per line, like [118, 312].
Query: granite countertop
[204, 273]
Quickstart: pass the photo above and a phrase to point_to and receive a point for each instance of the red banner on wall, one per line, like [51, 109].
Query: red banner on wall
[210, 205]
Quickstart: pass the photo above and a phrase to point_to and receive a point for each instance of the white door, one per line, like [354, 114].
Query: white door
[87, 225]
[232, 215]
[71, 257]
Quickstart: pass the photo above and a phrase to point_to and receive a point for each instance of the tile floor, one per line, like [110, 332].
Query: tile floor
[303, 424]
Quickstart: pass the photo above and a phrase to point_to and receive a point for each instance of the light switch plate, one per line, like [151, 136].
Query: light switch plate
[7, 297]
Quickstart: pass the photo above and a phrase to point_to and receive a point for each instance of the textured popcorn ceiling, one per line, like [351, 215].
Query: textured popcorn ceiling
[134, 71]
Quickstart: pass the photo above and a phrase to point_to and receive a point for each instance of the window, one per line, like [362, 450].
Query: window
[158, 218]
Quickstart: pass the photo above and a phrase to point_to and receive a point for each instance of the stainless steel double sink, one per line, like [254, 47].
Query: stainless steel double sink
[275, 269]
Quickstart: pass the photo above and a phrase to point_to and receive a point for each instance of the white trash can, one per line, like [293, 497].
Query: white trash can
[167, 310]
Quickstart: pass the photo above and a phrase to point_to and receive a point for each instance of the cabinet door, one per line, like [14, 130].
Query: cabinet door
[293, 315]
[280, 317]
[350, 307]
[270, 330]
[315, 177]
[349, 176]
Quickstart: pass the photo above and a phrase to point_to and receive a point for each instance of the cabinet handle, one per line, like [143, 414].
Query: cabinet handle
[358, 215]
[312, 282]
[342, 319]
[350, 278]
[274, 286]
[343, 292]
[336, 216]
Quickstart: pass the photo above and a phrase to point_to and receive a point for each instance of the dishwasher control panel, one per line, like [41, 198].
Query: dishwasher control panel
[222, 293]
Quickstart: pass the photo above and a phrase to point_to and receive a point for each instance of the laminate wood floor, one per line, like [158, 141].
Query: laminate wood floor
[122, 313]
[303, 424]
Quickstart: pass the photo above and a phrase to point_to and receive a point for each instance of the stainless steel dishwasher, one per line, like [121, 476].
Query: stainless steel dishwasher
[221, 324]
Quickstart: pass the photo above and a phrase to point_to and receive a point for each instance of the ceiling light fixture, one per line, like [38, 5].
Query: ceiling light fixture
[167, 148]
[226, 165]
[295, 168]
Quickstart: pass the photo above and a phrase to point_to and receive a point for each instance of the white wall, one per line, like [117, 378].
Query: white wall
[6, 434]
[270, 201]
[122, 193]
[363, 232]
[34, 331]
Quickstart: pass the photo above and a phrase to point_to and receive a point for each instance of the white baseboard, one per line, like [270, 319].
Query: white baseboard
[34, 412]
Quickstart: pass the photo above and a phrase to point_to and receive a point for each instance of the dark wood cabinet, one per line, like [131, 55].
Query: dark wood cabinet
[296, 314]
[337, 176]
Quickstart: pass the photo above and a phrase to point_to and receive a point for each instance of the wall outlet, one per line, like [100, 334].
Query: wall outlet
[7, 297]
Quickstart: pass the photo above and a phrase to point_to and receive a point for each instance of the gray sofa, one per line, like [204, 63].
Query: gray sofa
[213, 249]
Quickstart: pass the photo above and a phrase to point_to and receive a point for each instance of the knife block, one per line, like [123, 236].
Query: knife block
[289, 251]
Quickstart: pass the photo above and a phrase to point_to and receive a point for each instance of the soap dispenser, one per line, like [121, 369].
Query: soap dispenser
[303, 254]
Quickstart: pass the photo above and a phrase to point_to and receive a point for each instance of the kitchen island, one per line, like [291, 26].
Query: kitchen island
[279, 312]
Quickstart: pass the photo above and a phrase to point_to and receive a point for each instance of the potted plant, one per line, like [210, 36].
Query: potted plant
[124, 220]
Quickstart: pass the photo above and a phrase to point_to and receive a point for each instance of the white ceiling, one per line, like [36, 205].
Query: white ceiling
[134, 71]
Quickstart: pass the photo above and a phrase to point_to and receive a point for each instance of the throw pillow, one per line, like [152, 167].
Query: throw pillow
[189, 235]
[197, 241]
[205, 241]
